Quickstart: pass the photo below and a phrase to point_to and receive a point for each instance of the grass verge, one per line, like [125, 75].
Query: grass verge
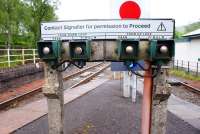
[183, 74]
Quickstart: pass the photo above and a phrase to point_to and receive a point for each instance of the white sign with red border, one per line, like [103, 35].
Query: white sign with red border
[108, 29]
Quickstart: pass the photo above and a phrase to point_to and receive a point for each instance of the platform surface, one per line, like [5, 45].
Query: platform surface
[104, 111]
[16, 118]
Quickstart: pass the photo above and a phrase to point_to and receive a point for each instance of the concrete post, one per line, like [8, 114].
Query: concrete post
[161, 93]
[53, 90]
[133, 87]
[126, 84]
[114, 75]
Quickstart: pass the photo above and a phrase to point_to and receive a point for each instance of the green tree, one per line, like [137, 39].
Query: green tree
[20, 20]
[8, 19]
[41, 10]
[192, 27]
[178, 34]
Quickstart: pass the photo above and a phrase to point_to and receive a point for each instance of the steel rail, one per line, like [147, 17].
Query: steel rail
[23, 96]
[189, 87]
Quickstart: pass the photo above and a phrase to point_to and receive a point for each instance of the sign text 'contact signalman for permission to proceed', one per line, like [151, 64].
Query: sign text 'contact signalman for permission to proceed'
[108, 29]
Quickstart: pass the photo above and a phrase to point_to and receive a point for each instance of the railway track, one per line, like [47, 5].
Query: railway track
[189, 87]
[32, 92]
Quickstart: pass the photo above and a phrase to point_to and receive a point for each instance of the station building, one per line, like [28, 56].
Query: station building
[188, 48]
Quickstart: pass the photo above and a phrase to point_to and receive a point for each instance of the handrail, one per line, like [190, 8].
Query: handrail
[19, 56]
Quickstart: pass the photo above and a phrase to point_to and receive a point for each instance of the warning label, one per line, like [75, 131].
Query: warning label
[161, 27]
[108, 29]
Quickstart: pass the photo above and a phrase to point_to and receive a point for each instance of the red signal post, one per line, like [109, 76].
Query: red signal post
[131, 10]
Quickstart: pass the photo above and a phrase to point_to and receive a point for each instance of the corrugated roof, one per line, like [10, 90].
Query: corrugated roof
[195, 33]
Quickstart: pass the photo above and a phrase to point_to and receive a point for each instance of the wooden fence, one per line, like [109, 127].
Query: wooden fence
[10, 57]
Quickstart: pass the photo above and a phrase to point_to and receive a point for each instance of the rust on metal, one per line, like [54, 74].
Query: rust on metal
[147, 101]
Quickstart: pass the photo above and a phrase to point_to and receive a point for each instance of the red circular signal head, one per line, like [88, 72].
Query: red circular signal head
[130, 10]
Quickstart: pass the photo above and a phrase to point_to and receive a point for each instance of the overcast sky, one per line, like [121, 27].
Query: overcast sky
[183, 11]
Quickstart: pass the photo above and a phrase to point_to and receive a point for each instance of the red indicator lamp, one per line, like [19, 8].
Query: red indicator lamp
[130, 10]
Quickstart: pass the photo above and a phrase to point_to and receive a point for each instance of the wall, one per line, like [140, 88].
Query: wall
[188, 50]
[195, 49]
[14, 77]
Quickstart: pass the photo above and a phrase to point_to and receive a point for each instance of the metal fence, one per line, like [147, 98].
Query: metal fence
[10, 57]
[188, 66]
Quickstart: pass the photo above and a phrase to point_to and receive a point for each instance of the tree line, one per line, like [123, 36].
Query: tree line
[187, 29]
[20, 21]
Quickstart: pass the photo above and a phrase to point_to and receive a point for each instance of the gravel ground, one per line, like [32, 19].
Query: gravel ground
[105, 111]
[78, 78]
[183, 93]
